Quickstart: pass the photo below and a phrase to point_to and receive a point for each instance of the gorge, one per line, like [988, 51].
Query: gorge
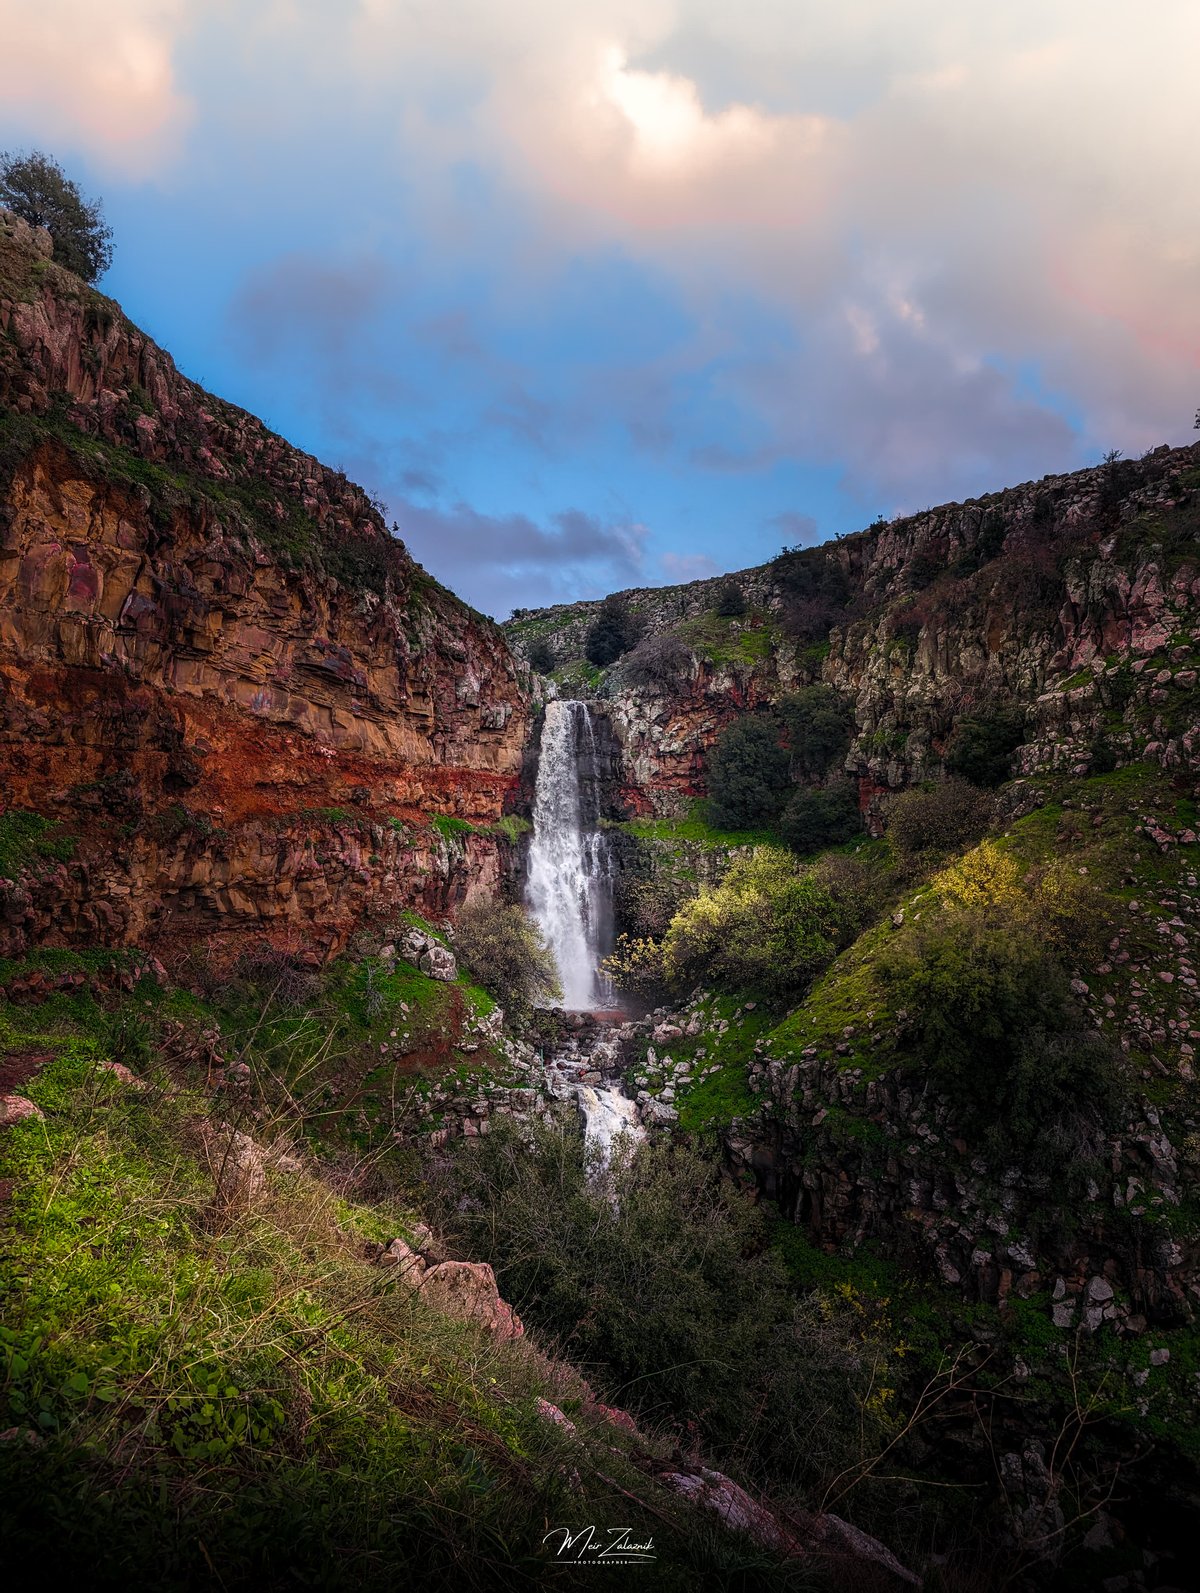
[260, 774]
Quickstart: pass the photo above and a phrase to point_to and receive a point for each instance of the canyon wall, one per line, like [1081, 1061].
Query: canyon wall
[1072, 600]
[241, 702]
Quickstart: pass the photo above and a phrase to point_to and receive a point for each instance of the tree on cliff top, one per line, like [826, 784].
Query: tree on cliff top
[613, 632]
[36, 188]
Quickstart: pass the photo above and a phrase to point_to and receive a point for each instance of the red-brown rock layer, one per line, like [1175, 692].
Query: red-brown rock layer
[218, 670]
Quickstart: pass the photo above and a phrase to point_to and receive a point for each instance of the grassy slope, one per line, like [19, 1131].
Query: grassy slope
[191, 1388]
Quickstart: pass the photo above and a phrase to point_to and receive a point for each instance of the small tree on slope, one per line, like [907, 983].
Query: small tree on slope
[36, 188]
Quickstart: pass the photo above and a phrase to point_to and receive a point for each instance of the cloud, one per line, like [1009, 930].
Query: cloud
[933, 198]
[916, 250]
[797, 530]
[306, 301]
[100, 77]
[499, 562]
[688, 566]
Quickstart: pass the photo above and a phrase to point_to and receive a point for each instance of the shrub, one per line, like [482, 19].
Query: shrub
[662, 661]
[819, 724]
[636, 965]
[731, 600]
[613, 632]
[936, 818]
[925, 567]
[858, 890]
[768, 926]
[983, 977]
[824, 816]
[813, 588]
[981, 748]
[811, 573]
[504, 950]
[671, 1294]
[278, 974]
[747, 774]
[541, 656]
[36, 188]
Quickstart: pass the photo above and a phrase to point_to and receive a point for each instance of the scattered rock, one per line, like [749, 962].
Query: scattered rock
[467, 1289]
[16, 1108]
[399, 1254]
[439, 963]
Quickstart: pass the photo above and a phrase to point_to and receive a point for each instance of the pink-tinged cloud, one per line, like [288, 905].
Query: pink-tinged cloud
[97, 75]
[925, 199]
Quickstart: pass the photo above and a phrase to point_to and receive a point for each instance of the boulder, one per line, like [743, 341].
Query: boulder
[713, 1491]
[16, 1108]
[846, 1539]
[467, 1289]
[551, 1413]
[399, 1254]
[659, 1114]
[239, 1166]
[121, 1073]
[438, 962]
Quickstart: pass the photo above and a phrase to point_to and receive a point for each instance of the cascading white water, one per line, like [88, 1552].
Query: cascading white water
[568, 880]
[608, 1116]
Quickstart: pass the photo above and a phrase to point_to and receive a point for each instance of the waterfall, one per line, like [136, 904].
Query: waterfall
[569, 885]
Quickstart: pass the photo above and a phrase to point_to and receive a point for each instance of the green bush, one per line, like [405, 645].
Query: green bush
[731, 600]
[936, 818]
[748, 777]
[768, 926]
[613, 632]
[824, 816]
[980, 748]
[504, 950]
[541, 656]
[983, 976]
[35, 187]
[662, 1280]
[636, 966]
[819, 724]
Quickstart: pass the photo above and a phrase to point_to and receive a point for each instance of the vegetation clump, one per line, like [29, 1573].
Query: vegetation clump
[931, 819]
[660, 661]
[660, 1276]
[981, 747]
[502, 947]
[819, 724]
[35, 187]
[541, 656]
[748, 774]
[613, 632]
[821, 816]
[983, 978]
[769, 926]
[731, 600]
[754, 762]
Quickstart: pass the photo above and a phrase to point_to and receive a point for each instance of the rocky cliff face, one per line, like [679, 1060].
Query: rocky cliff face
[1074, 599]
[233, 691]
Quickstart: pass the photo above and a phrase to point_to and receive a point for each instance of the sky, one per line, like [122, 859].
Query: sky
[594, 294]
